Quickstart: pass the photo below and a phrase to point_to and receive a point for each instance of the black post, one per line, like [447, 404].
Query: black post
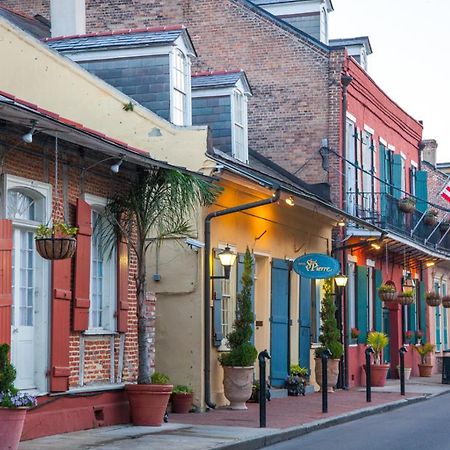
[262, 387]
[369, 351]
[402, 352]
[325, 355]
[341, 379]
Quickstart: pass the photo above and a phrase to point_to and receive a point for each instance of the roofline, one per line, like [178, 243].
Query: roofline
[366, 40]
[205, 73]
[223, 72]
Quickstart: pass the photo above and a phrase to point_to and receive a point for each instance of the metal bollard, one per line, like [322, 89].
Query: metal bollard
[262, 387]
[369, 351]
[325, 355]
[402, 352]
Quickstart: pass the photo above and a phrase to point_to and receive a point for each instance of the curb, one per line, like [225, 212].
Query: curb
[294, 432]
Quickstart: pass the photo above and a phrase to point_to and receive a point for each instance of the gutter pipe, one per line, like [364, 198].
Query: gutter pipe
[207, 282]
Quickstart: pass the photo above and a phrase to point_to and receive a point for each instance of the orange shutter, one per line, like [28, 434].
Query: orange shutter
[5, 280]
[122, 286]
[81, 300]
[60, 329]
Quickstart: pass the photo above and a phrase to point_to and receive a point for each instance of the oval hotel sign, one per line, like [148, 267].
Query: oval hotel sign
[316, 265]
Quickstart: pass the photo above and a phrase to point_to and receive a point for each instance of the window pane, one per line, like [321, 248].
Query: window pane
[20, 206]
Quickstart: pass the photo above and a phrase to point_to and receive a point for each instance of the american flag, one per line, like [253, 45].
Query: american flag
[445, 194]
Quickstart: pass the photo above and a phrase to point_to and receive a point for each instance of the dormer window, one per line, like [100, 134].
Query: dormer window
[240, 140]
[180, 110]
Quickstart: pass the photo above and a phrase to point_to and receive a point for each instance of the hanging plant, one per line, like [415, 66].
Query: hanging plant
[387, 292]
[431, 217]
[407, 204]
[57, 241]
[446, 301]
[405, 298]
[432, 298]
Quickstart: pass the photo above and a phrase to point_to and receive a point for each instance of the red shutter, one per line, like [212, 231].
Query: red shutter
[5, 280]
[81, 300]
[122, 286]
[61, 295]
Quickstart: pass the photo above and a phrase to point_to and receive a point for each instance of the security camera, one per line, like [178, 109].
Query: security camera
[193, 243]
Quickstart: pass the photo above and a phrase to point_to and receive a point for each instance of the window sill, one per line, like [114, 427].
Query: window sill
[95, 332]
[97, 388]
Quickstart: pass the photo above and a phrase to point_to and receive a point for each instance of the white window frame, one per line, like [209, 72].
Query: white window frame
[97, 205]
[176, 89]
[236, 124]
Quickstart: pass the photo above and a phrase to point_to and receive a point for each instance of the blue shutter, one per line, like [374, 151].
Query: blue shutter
[421, 190]
[304, 335]
[444, 312]
[423, 307]
[397, 176]
[217, 304]
[384, 189]
[437, 310]
[361, 302]
[378, 313]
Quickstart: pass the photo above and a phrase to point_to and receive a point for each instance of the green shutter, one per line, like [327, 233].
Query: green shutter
[383, 186]
[423, 307]
[397, 176]
[412, 317]
[378, 313]
[421, 190]
[361, 302]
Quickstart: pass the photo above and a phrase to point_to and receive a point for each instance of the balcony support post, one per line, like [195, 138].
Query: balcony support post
[418, 223]
[435, 228]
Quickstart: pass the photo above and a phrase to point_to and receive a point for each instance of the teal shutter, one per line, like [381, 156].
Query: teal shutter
[217, 305]
[304, 335]
[383, 162]
[361, 302]
[397, 176]
[444, 312]
[423, 307]
[378, 313]
[412, 317]
[421, 190]
[437, 313]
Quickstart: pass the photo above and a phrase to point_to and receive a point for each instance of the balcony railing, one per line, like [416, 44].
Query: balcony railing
[383, 210]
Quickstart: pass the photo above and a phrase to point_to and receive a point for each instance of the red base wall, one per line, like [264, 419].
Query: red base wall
[63, 414]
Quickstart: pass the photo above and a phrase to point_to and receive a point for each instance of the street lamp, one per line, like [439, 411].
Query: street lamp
[227, 259]
[341, 281]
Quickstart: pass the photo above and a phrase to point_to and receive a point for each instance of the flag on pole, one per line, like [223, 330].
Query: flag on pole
[445, 193]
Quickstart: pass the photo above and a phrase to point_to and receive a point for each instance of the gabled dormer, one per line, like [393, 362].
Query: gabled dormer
[357, 47]
[219, 100]
[151, 65]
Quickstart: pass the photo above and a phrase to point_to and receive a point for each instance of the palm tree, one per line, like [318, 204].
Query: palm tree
[158, 205]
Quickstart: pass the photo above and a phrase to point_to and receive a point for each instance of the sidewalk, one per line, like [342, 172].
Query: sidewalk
[222, 428]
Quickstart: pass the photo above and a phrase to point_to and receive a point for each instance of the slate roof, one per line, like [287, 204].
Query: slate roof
[121, 38]
[36, 26]
[347, 42]
[222, 79]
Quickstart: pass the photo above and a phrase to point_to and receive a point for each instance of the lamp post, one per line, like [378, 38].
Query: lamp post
[227, 259]
[341, 281]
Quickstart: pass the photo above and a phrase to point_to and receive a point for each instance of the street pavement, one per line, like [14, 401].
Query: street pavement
[287, 418]
[413, 427]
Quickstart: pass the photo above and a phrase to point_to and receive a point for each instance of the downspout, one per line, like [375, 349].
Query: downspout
[345, 80]
[207, 282]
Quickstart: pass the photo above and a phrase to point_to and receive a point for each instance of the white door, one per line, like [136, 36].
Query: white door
[24, 308]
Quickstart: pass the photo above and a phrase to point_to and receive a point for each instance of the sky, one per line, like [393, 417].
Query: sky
[411, 58]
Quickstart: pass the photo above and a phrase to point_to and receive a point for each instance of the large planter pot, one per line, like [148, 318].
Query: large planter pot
[148, 403]
[181, 403]
[238, 383]
[332, 373]
[425, 370]
[378, 374]
[56, 248]
[11, 425]
[407, 372]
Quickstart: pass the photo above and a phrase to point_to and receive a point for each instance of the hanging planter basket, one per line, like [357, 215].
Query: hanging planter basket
[54, 248]
[388, 297]
[404, 299]
[407, 205]
[432, 299]
[430, 219]
[446, 301]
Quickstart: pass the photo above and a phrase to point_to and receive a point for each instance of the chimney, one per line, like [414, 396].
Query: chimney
[429, 151]
[68, 17]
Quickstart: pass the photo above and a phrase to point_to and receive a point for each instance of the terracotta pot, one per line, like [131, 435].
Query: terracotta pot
[238, 383]
[378, 374]
[56, 248]
[182, 403]
[332, 373]
[425, 370]
[148, 403]
[11, 425]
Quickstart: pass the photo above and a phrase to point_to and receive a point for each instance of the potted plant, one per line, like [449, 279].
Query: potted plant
[295, 382]
[255, 392]
[387, 292]
[409, 336]
[446, 301]
[13, 404]
[407, 204]
[419, 336]
[444, 226]
[329, 339]
[424, 350]
[238, 362]
[406, 297]
[354, 334]
[432, 298]
[378, 341]
[56, 241]
[182, 399]
[431, 217]
[158, 204]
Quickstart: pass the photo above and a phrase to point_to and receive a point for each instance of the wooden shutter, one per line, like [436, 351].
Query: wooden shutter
[422, 309]
[122, 286]
[81, 302]
[361, 302]
[217, 304]
[305, 322]
[421, 190]
[384, 189]
[60, 328]
[5, 280]
[378, 312]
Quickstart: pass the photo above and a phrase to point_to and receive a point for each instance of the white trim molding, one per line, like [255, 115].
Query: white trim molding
[369, 129]
[351, 117]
